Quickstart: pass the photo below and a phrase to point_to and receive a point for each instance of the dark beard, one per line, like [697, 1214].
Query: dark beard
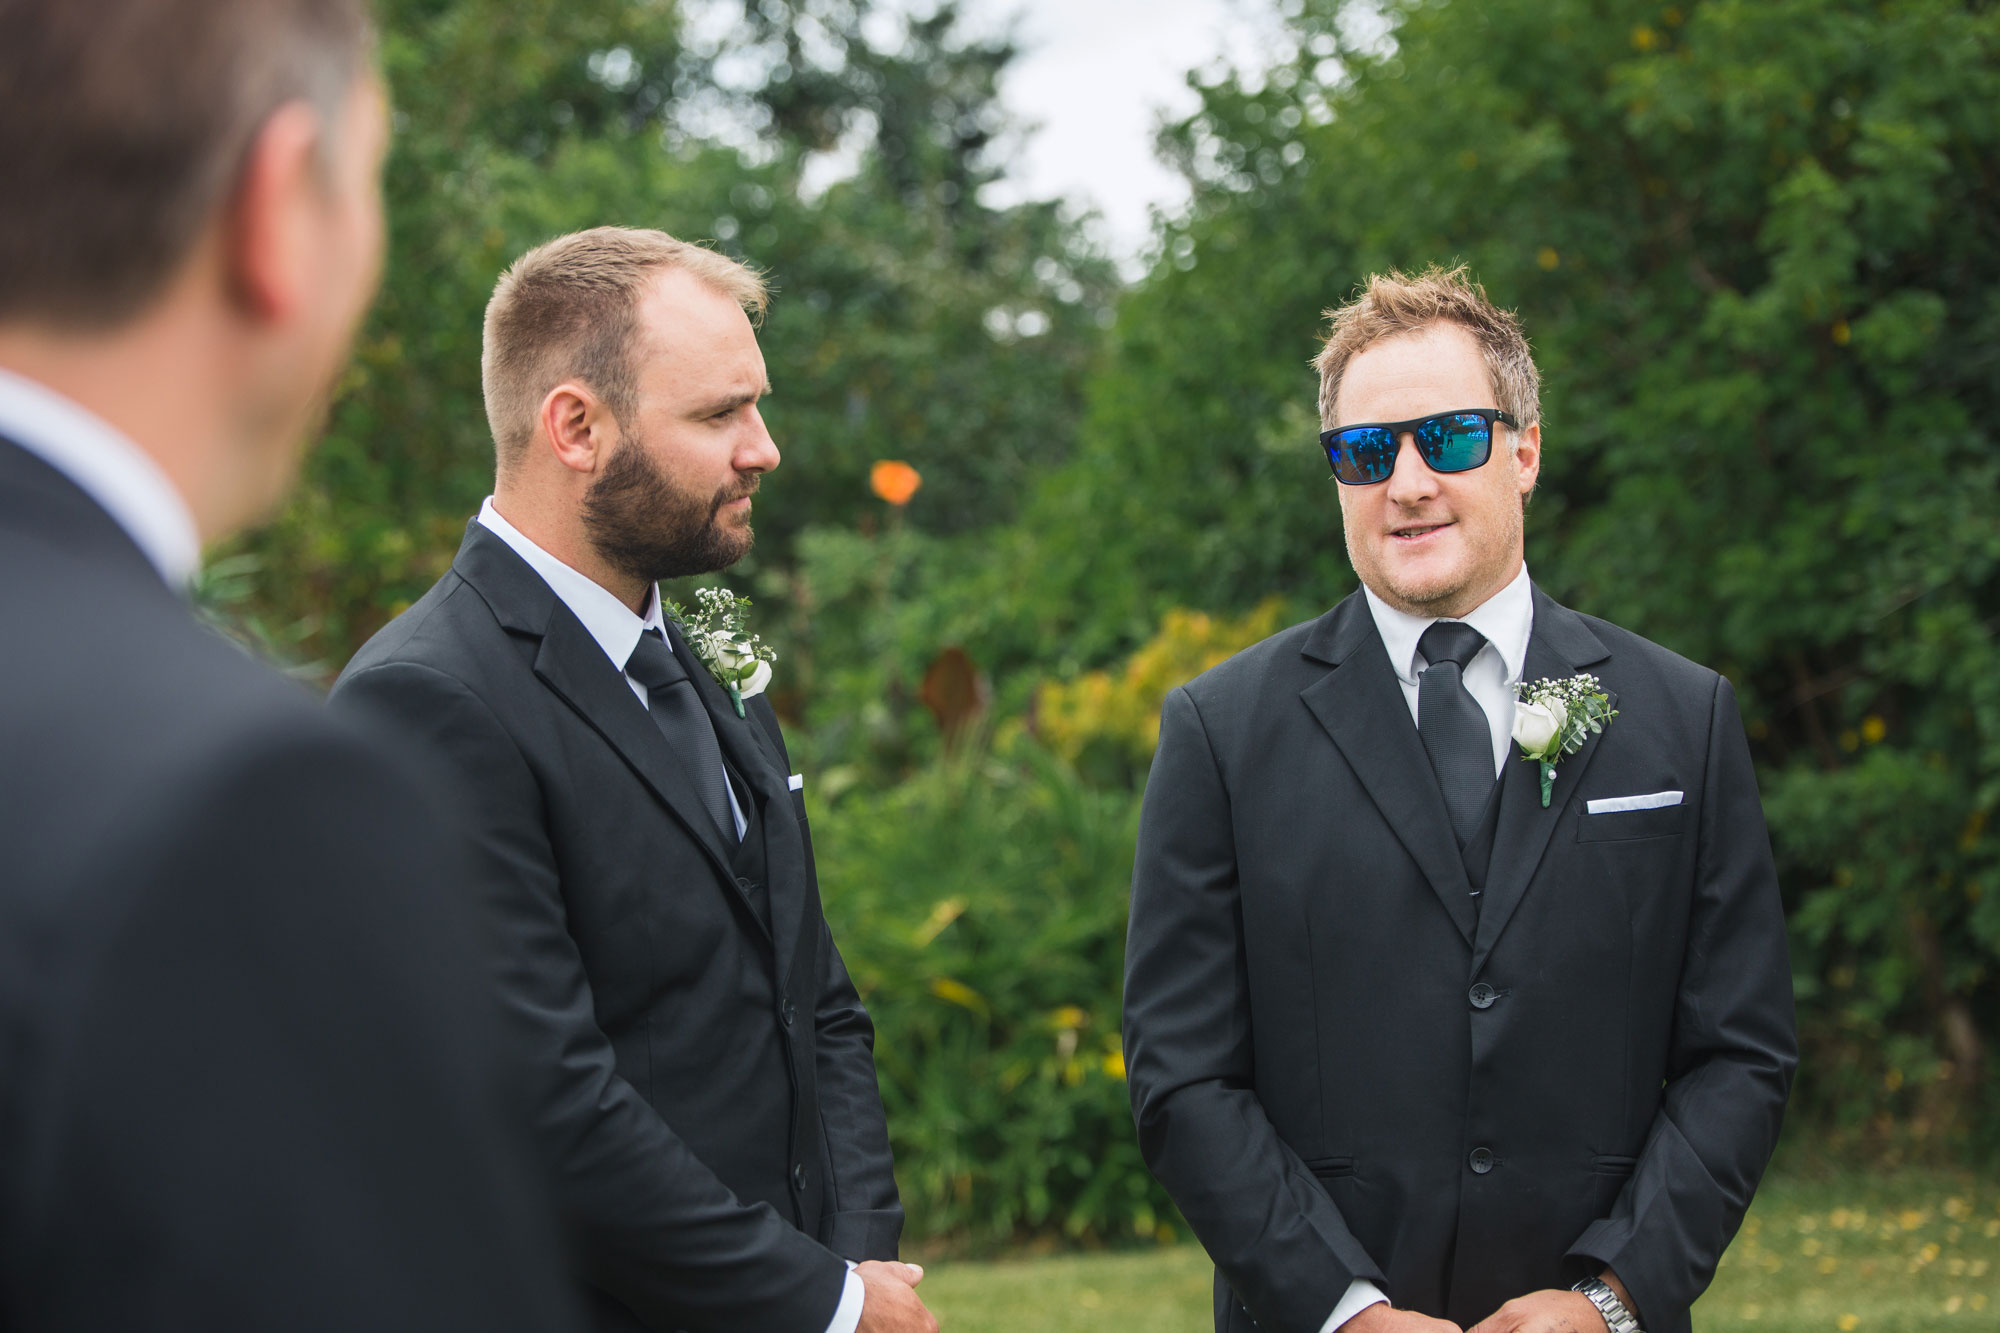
[649, 529]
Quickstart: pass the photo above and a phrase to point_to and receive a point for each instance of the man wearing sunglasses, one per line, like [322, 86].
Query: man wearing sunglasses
[1415, 1046]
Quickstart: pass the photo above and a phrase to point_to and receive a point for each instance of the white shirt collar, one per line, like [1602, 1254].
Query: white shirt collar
[108, 467]
[609, 620]
[1506, 619]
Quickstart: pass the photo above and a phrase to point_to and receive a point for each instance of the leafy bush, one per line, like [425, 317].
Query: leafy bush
[981, 908]
[1108, 722]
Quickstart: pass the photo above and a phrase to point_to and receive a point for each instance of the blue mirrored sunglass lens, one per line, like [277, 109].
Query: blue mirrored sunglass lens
[1455, 443]
[1362, 456]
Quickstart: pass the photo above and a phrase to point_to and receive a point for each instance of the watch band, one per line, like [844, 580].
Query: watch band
[1616, 1317]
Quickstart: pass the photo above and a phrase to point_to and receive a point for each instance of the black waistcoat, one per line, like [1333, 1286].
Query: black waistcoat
[749, 861]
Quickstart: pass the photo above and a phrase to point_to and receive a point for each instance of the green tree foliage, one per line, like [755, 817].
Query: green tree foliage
[912, 319]
[1757, 244]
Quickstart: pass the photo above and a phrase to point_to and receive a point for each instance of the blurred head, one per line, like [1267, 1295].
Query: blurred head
[622, 376]
[213, 166]
[1430, 543]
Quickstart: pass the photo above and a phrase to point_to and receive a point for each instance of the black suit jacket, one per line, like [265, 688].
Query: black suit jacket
[249, 1070]
[711, 1084]
[1343, 1066]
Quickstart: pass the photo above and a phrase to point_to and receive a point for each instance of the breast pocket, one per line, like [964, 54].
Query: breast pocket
[1629, 825]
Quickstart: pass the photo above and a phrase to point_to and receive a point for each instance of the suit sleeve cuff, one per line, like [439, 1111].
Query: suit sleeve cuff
[847, 1315]
[1361, 1293]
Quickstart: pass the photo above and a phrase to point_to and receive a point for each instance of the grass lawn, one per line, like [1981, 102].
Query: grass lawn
[1855, 1254]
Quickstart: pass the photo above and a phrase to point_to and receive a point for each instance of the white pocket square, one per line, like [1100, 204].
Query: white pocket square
[1610, 805]
[797, 782]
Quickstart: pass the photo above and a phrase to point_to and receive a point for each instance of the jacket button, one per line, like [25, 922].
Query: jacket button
[1481, 996]
[788, 1013]
[1481, 1161]
[799, 1175]
[746, 884]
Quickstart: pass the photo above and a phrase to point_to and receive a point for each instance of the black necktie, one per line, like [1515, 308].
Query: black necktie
[1454, 728]
[677, 710]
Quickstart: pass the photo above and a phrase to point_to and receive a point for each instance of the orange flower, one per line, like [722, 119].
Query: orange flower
[894, 480]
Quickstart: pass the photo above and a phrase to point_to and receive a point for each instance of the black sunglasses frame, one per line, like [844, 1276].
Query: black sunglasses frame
[1398, 429]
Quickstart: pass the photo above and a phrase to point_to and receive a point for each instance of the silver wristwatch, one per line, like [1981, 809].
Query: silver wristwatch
[1616, 1317]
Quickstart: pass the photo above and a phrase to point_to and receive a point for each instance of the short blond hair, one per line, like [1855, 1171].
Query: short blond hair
[1394, 303]
[567, 309]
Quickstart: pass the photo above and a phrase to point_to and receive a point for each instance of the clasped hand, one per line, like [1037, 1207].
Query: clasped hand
[891, 1304]
[1537, 1312]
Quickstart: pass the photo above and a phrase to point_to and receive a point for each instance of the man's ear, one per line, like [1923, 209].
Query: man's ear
[268, 227]
[1528, 457]
[579, 428]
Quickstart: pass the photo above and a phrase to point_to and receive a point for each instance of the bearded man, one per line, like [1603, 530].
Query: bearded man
[1422, 1035]
[710, 1082]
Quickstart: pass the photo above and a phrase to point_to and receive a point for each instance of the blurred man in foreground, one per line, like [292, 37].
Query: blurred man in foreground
[710, 1072]
[249, 1065]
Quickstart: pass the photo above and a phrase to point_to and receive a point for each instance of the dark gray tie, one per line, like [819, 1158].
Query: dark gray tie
[677, 711]
[1454, 728]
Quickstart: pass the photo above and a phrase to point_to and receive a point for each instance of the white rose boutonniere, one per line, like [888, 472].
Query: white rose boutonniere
[1553, 717]
[738, 659]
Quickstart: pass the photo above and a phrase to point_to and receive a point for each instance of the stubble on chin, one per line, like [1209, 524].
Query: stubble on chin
[1448, 593]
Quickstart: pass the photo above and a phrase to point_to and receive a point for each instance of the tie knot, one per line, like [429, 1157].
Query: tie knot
[1451, 641]
[653, 664]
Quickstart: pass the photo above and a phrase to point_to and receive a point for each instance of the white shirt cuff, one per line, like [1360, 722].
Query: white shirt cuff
[847, 1315]
[1361, 1293]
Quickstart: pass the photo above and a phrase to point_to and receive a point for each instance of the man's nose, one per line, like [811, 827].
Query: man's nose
[1411, 481]
[759, 452]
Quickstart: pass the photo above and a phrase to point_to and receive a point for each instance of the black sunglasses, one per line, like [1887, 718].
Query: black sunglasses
[1448, 442]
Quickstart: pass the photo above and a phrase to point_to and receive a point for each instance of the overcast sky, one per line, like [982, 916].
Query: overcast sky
[1096, 76]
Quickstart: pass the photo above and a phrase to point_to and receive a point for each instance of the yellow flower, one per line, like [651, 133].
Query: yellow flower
[941, 916]
[1069, 1016]
[1847, 1322]
[958, 993]
[1114, 1065]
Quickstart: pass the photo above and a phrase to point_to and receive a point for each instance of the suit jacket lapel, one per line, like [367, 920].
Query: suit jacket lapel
[746, 747]
[1361, 705]
[572, 665]
[1559, 645]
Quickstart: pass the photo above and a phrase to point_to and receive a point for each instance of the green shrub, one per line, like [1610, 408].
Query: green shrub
[981, 908]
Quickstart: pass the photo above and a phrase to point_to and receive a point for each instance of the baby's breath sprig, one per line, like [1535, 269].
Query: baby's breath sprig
[738, 659]
[1554, 717]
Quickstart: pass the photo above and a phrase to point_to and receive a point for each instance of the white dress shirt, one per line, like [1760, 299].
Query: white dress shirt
[1506, 619]
[617, 631]
[607, 619]
[108, 467]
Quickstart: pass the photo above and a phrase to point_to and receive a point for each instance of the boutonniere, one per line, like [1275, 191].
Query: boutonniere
[738, 659]
[1552, 718]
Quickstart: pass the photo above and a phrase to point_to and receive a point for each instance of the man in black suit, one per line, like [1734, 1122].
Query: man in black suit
[1402, 1031]
[645, 857]
[251, 1071]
